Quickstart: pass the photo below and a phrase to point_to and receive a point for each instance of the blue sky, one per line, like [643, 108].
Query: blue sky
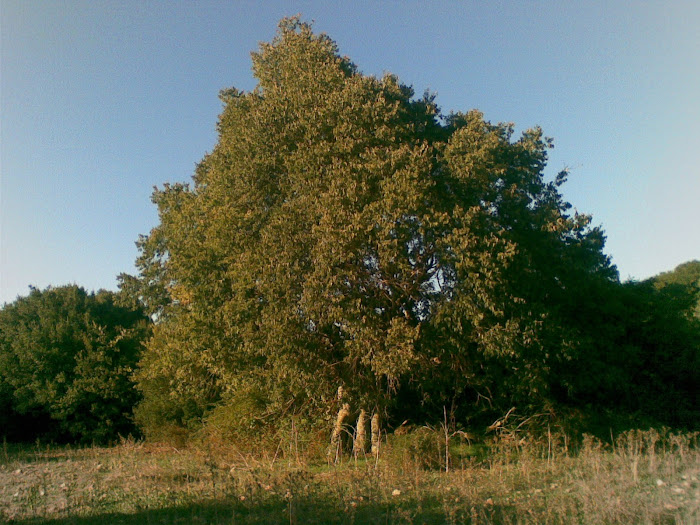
[101, 101]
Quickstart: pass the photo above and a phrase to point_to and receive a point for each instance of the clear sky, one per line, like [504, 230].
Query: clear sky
[101, 101]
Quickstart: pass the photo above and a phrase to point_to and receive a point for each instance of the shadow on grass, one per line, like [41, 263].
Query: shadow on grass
[301, 511]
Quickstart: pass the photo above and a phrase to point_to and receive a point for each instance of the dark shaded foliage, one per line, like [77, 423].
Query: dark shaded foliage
[66, 364]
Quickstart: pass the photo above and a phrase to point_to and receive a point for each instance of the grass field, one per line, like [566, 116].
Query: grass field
[644, 477]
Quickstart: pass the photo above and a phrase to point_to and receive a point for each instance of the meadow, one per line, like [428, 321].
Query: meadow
[640, 477]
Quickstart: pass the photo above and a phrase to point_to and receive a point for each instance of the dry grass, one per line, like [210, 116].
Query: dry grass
[645, 477]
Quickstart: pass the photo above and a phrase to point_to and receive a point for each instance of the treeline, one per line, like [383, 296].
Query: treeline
[344, 233]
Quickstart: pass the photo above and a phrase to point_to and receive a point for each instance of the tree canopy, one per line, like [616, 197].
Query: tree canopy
[66, 364]
[344, 232]
[686, 275]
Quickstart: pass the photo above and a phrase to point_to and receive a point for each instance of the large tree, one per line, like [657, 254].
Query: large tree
[66, 364]
[683, 276]
[345, 233]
